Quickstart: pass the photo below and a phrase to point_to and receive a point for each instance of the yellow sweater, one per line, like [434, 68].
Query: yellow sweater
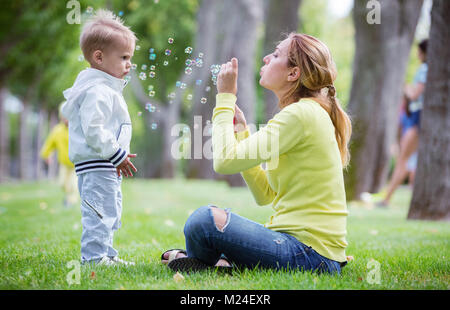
[303, 179]
[58, 139]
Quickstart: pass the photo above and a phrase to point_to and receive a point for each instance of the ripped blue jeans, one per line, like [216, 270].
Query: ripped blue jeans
[247, 244]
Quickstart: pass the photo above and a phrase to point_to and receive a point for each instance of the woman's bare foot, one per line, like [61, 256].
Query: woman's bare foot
[167, 254]
[223, 262]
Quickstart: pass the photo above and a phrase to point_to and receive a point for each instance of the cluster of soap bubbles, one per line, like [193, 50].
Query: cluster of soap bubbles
[143, 74]
[198, 62]
[181, 85]
[190, 64]
[150, 107]
[151, 54]
[215, 69]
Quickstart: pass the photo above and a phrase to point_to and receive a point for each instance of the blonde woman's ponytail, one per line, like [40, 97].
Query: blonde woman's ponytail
[342, 125]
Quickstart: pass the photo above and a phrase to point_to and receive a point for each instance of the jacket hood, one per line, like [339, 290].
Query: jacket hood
[85, 80]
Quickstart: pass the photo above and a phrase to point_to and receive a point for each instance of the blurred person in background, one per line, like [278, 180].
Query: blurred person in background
[58, 140]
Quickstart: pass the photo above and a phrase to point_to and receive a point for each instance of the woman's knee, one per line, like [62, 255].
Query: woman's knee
[197, 220]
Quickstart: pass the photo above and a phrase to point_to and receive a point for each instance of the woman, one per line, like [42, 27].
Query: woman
[305, 148]
[410, 121]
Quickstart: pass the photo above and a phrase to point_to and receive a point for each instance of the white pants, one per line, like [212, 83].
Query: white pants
[101, 211]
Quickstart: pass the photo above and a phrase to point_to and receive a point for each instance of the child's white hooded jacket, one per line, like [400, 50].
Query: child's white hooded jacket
[99, 122]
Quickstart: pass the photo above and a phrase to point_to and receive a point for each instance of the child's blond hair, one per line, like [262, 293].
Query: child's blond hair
[103, 30]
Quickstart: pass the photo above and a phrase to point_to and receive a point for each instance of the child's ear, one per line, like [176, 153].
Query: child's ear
[294, 74]
[98, 57]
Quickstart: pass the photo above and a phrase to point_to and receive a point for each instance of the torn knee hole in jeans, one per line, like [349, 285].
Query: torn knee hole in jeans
[219, 226]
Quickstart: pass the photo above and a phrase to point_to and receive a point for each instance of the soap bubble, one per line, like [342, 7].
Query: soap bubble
[172, 95]
[189, 97]
[200, 55]
[170, 40]
[207, 89]
[148, 106]
[167, 52]
[142, 76]
[203, 100]
[152, 68]
[154, 126]
[127, 78]
[215, 69]
[150, 87]
[151, 50]
[151, 93]
[188, 50]
[178, 84]
[186, 129]
[198, 82]
[81, 57]
[133, 66]
[139, 113]
[188, 62]
[188, 70]
[199, 62]
[165, 63]
[183, 86]
[144, 67]
[89, 9]
[152, 74]
[152, 56]
[121, 13]
[138, 47]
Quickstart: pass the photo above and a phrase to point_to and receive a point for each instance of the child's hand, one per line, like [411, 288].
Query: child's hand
[125, 166]
[227, 79]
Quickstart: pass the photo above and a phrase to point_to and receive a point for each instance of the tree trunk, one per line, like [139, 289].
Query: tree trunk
[53, 166]
[200, 164]
[39, 141]
[25, 150]
[431, 195]
[381, 56]
[236, 38]
[281, 17]
[4, 139]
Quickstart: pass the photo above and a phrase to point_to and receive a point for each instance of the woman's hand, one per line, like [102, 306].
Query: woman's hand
[239, 120]
[227, 79]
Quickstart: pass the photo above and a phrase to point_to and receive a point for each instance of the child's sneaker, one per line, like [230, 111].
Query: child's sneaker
[117, 260]
[106, 261]
[114, 261]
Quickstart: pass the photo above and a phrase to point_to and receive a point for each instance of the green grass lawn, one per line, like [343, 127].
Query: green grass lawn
[38, 237]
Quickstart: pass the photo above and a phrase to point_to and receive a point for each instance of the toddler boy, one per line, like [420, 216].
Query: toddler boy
[100, 133]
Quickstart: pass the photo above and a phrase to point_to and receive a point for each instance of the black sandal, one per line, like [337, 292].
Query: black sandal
[192, 264]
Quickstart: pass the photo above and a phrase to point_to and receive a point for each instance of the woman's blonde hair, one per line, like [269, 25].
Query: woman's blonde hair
[318, 71]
